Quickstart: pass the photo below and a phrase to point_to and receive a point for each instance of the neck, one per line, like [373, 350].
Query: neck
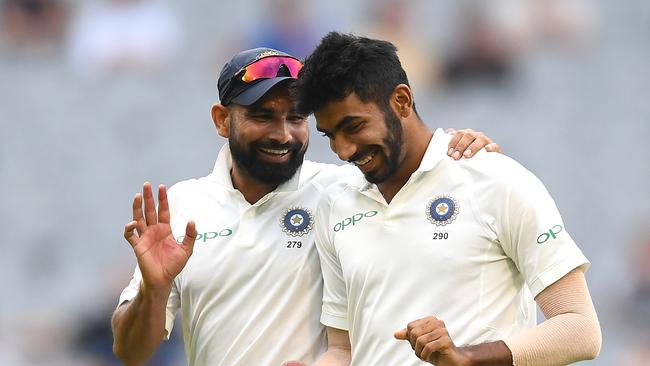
[250, 188]
[416, 140]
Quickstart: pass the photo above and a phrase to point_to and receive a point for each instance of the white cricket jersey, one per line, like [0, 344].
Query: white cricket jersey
[251, 292]
[470, 242]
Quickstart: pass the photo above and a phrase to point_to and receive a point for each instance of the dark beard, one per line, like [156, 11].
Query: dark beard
[393, 141]
[246, 158]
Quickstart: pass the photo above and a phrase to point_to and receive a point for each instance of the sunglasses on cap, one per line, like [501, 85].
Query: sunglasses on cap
[265, 68]
[269, 67]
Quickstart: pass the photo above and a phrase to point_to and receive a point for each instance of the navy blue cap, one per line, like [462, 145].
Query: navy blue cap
[234, 90]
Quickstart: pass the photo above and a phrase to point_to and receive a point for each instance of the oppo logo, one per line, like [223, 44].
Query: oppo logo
[352, 220]
[551, 234]
[207, 235]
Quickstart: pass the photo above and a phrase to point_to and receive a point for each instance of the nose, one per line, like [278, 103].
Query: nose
[343, 147]
[280, 132]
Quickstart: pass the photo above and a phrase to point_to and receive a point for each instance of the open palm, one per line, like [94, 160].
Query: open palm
[159, 256]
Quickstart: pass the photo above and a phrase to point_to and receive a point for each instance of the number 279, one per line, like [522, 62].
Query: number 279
[294, 244]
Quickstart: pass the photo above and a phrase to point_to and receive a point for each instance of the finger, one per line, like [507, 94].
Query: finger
[163, 205]
[476, 145]
[425, 339]
[457, 135]
[150, 215]
[423, 326]
[190, 237]
[430, 349]
[418, 328]
[493, 147]
[421, 342]
[401, 334]
[138, 215]
[129, 233]
[462, 145]
[429, 352]
[410, 327]
[450, 131]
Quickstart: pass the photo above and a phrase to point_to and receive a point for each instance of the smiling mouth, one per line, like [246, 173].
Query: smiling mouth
[364, 160]
[278, 152]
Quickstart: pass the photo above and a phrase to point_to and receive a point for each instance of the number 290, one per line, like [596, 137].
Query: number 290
[440, 235]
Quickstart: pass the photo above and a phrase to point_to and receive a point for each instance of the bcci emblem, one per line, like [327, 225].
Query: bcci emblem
[442, 210]
[296, 221]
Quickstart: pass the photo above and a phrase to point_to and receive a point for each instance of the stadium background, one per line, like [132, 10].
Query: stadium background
[98, 96]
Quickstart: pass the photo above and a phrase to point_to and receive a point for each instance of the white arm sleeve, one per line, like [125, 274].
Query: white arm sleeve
[335, 303]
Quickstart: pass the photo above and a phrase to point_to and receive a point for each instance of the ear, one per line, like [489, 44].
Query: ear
[221, 118]
[402, 100]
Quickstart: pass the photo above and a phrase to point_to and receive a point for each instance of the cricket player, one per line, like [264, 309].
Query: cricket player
[426, 258]
[234, 251]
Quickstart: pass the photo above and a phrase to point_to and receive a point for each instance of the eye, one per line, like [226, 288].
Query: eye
[297, 119]
[262, 117]
[354, 127]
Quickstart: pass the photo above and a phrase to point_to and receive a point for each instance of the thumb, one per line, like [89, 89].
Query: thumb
[401, 334]
[190, 237]
[129, 233]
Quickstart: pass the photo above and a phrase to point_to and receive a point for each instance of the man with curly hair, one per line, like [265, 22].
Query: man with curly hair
[423, 253]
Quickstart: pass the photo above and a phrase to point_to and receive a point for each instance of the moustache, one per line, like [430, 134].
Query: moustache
[291, 146]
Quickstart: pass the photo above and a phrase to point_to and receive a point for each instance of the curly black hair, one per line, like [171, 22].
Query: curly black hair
[345, 63]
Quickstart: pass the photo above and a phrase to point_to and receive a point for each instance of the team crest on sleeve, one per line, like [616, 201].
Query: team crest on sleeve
[442, 210]
[297, 221]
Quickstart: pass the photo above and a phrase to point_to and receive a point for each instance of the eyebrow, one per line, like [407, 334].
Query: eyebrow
[342, 123]
[258, 110]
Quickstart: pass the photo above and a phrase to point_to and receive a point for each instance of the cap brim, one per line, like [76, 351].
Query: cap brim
[257, 91]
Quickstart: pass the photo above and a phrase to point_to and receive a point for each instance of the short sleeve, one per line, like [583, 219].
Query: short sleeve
[334, 312]
[173, 303]
[531, 231]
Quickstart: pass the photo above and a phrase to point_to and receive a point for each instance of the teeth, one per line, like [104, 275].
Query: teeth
[365, 160]
[275, 151]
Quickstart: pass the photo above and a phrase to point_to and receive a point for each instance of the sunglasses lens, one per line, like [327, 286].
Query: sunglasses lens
[268, 67]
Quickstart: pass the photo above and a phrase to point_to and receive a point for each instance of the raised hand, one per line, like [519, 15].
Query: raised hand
[431, 342]
[468, 142]
[159, 256]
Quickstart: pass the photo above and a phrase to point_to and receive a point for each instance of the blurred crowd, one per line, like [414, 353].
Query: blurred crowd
[113, 36]
[98, 96]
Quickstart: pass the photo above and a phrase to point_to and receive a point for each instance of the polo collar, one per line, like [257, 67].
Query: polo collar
[435, 152]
